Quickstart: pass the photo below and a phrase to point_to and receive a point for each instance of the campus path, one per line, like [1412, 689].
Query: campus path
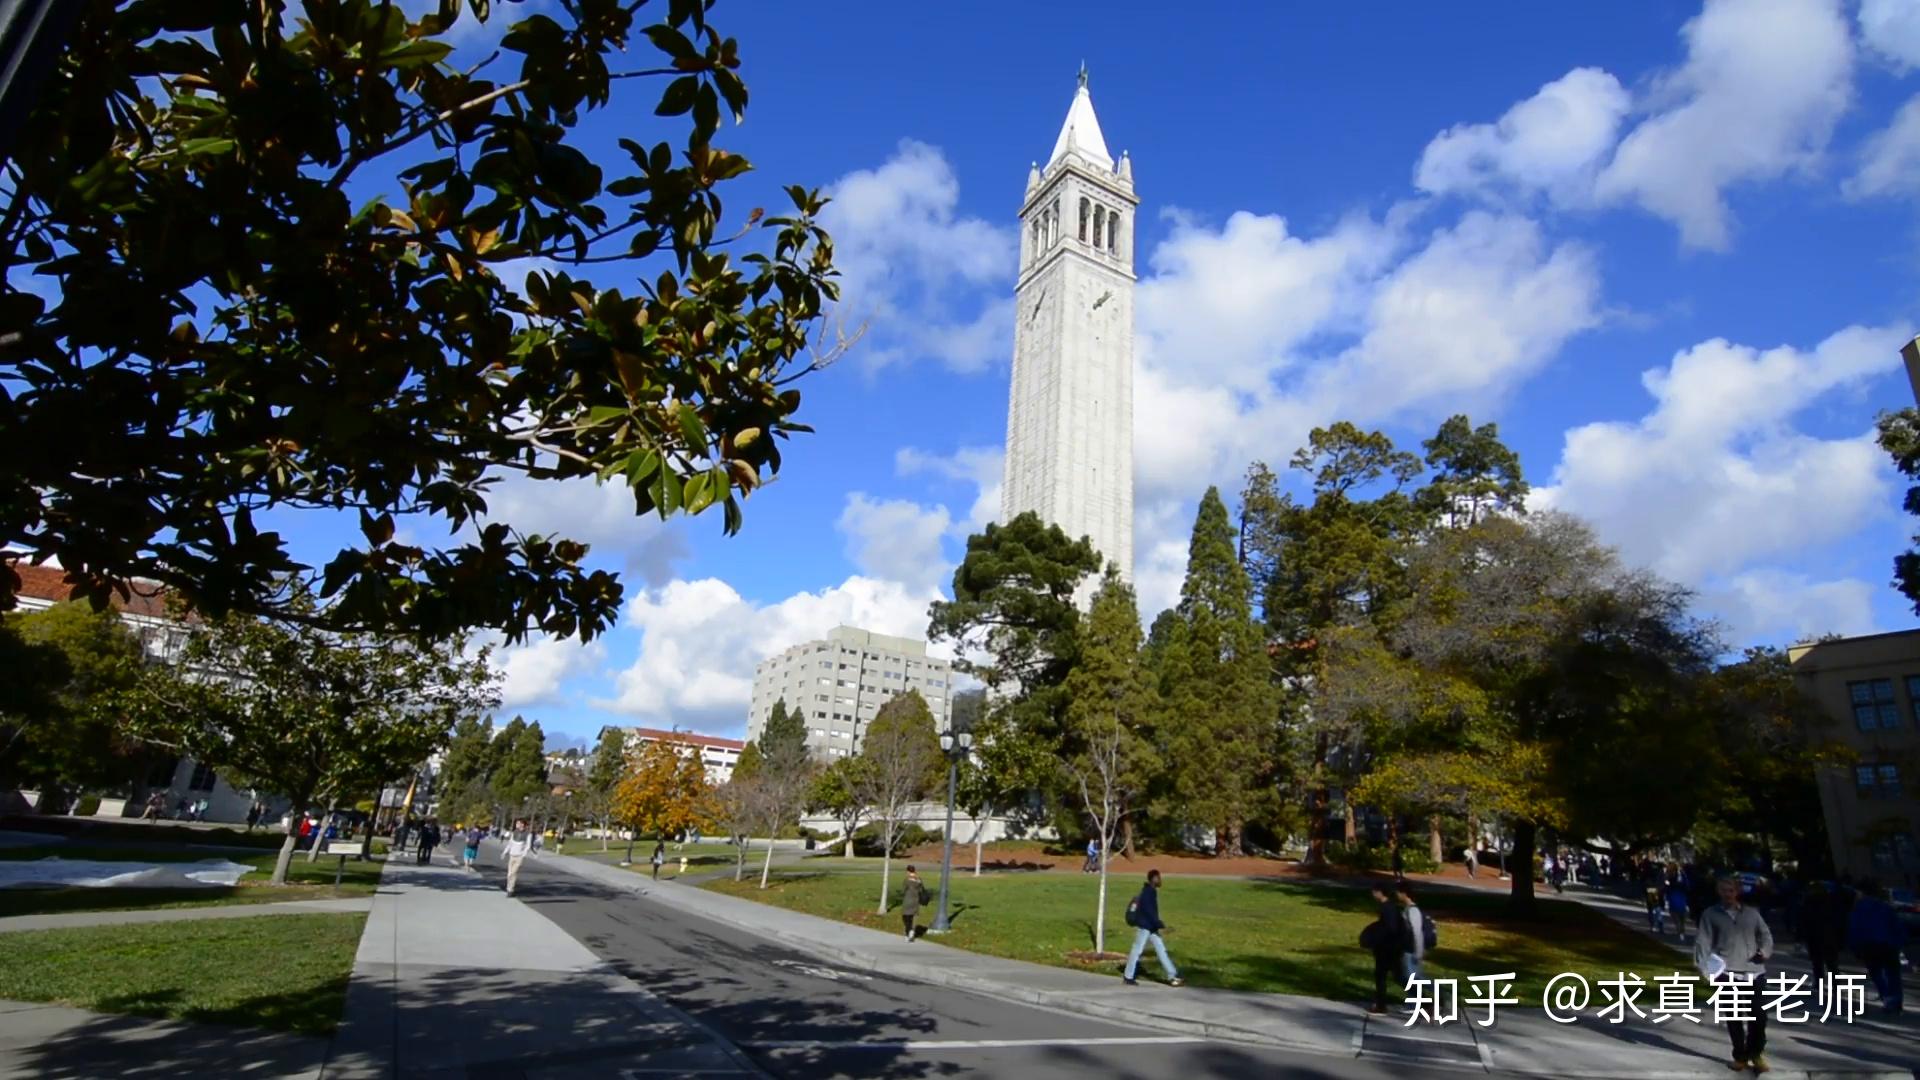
[52, 1042]
[131, 916]
[1522, 1041]
[454, 978]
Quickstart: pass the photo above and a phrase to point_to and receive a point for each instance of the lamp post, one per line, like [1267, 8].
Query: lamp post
[955, 745]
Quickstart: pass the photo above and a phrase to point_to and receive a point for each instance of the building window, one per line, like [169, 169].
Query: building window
[821, 697]
[1893, 853]
[1873, 707]
[202, 778]
[1889, 781]
[162, 774]
[1877, 780]
[819, 715]
[1099, 224]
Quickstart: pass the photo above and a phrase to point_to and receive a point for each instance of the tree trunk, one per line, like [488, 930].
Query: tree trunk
[766, 865]
[1520, 868]
[1318, 807]
[740, 861]
[886, 865]
[852, 826]
[1126, 833]
[281, 864]
[1100, 913]
[1352, 833]
[605, 828]
[631, 837]
[320, 834]
[1436, 844]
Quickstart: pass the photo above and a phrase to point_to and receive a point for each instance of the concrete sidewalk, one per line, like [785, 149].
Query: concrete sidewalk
[454, 977]
[1522, 1041]
[132, 916]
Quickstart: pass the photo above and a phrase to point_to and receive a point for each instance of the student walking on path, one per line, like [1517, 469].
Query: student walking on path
[659, 856]
[427, 837]
[1386, 937]
[913, 893]
[519, 846]
[1732, 944]
[1416, 953]
[1875, 935]
[470, 853]
[1143, 914]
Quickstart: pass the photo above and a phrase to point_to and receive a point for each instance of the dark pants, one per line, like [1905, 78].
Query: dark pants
[426, 854]
[1823, 957]
[906, 920]
[1386, 965]
[1749, 1036]
[1883, 970]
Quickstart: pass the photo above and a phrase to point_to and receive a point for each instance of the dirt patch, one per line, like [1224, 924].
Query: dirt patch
[1081, 956]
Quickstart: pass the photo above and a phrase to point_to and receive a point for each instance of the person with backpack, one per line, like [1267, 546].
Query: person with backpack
[1422, 934]
[1385, 937]
[912, 894]
[471, 853]
[1143, 914]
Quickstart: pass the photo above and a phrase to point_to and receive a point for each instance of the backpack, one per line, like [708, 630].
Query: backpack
[1429, 933]
[1133, 912]
[1370, 936]
[925, 896]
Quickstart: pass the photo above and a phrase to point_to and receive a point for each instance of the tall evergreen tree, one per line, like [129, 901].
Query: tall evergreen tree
[522, 772]
[1218, 681]
[785, 734]
[469, 757]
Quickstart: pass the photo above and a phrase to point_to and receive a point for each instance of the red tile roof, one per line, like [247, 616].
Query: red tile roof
[50, 583]
[690, 738]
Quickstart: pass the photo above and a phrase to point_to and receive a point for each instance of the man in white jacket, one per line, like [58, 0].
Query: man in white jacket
[519, 846]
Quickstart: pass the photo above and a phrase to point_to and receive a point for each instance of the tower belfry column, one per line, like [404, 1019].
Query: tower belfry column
[1070, 412]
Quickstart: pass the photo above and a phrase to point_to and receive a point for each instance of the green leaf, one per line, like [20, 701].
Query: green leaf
[679, 96]
[670, 41]
[206, 147]
[416, 54]
[691, 428]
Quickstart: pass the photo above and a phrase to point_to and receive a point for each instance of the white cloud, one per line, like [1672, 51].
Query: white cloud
[1892, 29]
[1762, 85]
[599, 515]
[909, 260]
[983, 467]
[1890, 160]
[1772, 606]
[701, 641]
[896, 540]
[1553, 142]
[1716, 479]
[537, 671]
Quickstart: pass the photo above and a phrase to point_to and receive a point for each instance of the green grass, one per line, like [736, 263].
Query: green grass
[1235, 934]
[107, 830]
[283, 972]
[305, 881]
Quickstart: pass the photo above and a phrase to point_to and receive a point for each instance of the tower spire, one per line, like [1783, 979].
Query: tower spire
[1081, 132]
[1083, 74]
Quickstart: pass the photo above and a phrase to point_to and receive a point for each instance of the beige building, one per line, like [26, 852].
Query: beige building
[839, 684]
[1870, 686]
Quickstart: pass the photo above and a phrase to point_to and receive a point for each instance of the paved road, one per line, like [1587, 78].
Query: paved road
[797, 1017]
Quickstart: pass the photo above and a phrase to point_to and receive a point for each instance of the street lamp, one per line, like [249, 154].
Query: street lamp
[955, 745]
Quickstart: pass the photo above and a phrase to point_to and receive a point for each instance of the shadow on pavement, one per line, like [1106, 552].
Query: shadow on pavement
[67, 1044]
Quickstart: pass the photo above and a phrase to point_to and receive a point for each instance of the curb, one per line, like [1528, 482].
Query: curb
[1060, 1001]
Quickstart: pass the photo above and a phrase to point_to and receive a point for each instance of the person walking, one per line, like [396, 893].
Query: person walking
[560, 842]
[426, 838]
[1092, 865]
[1733, 944]
[470, 853]
[1677, 903]
[519, 846]
[1472, 854]
[1386, 938]
[1416, 950]
[253, 816]
[659, 856]
[1875, 935]
[1143, 914]
[1399, 864]
[1656, 908]
[1819, 928]
[913, 893]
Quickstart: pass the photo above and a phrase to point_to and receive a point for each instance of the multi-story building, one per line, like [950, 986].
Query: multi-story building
[1870, 687]
[838, 685]
[719, 755]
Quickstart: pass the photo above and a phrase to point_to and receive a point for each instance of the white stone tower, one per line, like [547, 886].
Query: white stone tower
[1070, 415]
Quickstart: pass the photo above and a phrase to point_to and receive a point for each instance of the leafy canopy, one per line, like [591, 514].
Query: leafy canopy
[282, 243]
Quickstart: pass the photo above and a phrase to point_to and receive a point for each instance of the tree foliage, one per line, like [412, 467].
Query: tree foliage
[67, 668]
[785, 733]
[283, 246]
[318, 716]
[664, 792]
[1112, 712]
[839, 790]
[901, 757]
[1899, 436]
[521, 774]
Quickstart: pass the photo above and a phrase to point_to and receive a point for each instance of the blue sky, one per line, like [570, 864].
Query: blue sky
[1669, 249]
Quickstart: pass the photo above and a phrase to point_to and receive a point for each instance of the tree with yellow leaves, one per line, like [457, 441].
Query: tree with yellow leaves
[663, 792]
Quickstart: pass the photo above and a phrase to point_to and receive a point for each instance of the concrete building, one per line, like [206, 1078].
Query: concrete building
[1070, 410]
[838, 685]
[717, 754]
[174, 778]
[1870, 687]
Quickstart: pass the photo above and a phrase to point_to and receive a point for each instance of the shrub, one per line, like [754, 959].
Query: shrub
[88, 806]
[1380, 857]
[867, 840]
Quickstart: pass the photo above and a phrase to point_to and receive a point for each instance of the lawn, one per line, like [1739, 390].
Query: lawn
[700, 857]
[284, 972]
[1236, 934]
[108, 830]
[305, 881]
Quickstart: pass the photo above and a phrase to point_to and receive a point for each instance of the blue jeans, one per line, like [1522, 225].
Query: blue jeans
[1409, 968]
[1142, 935]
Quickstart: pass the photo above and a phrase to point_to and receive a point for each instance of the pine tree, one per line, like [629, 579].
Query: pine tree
[784, 731]
[1217, 680]
[522, 772]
